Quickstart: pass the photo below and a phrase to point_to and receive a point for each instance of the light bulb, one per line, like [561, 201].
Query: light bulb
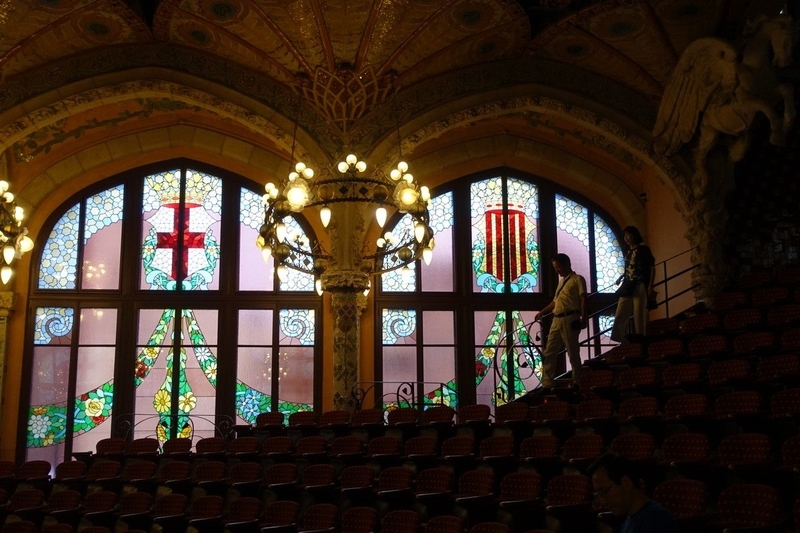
[25, 244]
[9, 253]
[283, 273]
[308, 173]
[381, 242]
[293, 176]
[389, 236]
[351, 159]
[269, 186]
[405, 274]
[19, 213]
[296, 196]
[402, 166]
[265, 199]
[427, 255]
[266, 253]
[3, 186]
[300, 167]
[318, 286]
[408, 196]
[361, 166]
[425, 193]
[419, 231]
[380, 216]
[366, 291]
[342, 166]
[395, 174]
[5, 274]
[280, 231]
[273, 193]
[9, 197]
[325, 215]
[408, 177]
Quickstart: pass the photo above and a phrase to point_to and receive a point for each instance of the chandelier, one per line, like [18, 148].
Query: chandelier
[13, 236]
[346, 186]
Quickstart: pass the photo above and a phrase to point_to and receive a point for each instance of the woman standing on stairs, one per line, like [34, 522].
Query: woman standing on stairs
[634, 286]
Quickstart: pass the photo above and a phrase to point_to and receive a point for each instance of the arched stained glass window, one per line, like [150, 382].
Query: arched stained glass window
[167, 323]
[462, 328]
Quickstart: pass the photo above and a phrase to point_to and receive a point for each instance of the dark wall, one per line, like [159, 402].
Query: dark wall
[764, 225]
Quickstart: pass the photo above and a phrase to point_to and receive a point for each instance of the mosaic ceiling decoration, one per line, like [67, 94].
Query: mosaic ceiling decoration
[347, 57]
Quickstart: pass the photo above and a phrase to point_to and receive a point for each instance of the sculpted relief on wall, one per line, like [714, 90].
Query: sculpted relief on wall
[707, 113]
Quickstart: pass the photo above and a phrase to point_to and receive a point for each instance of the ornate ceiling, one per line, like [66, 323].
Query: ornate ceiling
[348, 57]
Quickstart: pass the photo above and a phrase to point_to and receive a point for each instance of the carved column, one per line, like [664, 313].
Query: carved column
[347, 295]
[6, 307]
[346, 279]
[706, 221]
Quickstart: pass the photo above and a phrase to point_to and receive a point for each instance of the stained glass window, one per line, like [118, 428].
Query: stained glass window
[178, 316]
[492, 277]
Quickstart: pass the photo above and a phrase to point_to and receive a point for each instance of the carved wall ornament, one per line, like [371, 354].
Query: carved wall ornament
[709, 106]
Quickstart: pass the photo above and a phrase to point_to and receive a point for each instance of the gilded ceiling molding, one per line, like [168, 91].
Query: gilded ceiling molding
[24, 128]
[600, 133]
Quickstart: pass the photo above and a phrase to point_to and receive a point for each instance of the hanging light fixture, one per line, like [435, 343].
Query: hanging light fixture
[13, 236]
[346, 183]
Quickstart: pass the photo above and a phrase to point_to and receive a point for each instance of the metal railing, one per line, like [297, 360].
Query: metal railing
[403, 394]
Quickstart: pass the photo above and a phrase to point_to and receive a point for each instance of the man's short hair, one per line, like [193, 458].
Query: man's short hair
[563, 259]
[616, 467]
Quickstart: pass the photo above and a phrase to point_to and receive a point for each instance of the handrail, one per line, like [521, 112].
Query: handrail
[409, 392]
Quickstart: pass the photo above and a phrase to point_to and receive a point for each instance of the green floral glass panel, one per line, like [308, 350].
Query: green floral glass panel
[59, 261]
[609, 258]
[47, 413]
[504, 355]
[504, 216]
[259, 361]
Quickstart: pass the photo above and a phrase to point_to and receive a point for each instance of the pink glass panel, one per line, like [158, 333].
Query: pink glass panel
[439, 366]
[578, 255]
[254, 273]
[101, 258]
[296, 380]
[439, 327]
[51, 375]
[438, 276]
[255, 327]
[399, 365]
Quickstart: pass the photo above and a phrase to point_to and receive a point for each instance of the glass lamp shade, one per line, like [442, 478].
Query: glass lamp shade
[25, 244]
[19, 213]
[300, 167]
[325, 215]
[408, 196]
[427, 255]
[283, 273]
[5, 274]
[425, 193]
[419, 231]
[9, 252]
[342, 166]
[318, 286]
[361, 166]
[3, 186]
[405, 273]
[280, 231]
[266, 253]
[351, 159]
[380, 216]
[297, 195]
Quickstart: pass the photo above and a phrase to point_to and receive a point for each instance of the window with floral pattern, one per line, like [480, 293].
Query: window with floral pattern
[462, 328]
[155, 316]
